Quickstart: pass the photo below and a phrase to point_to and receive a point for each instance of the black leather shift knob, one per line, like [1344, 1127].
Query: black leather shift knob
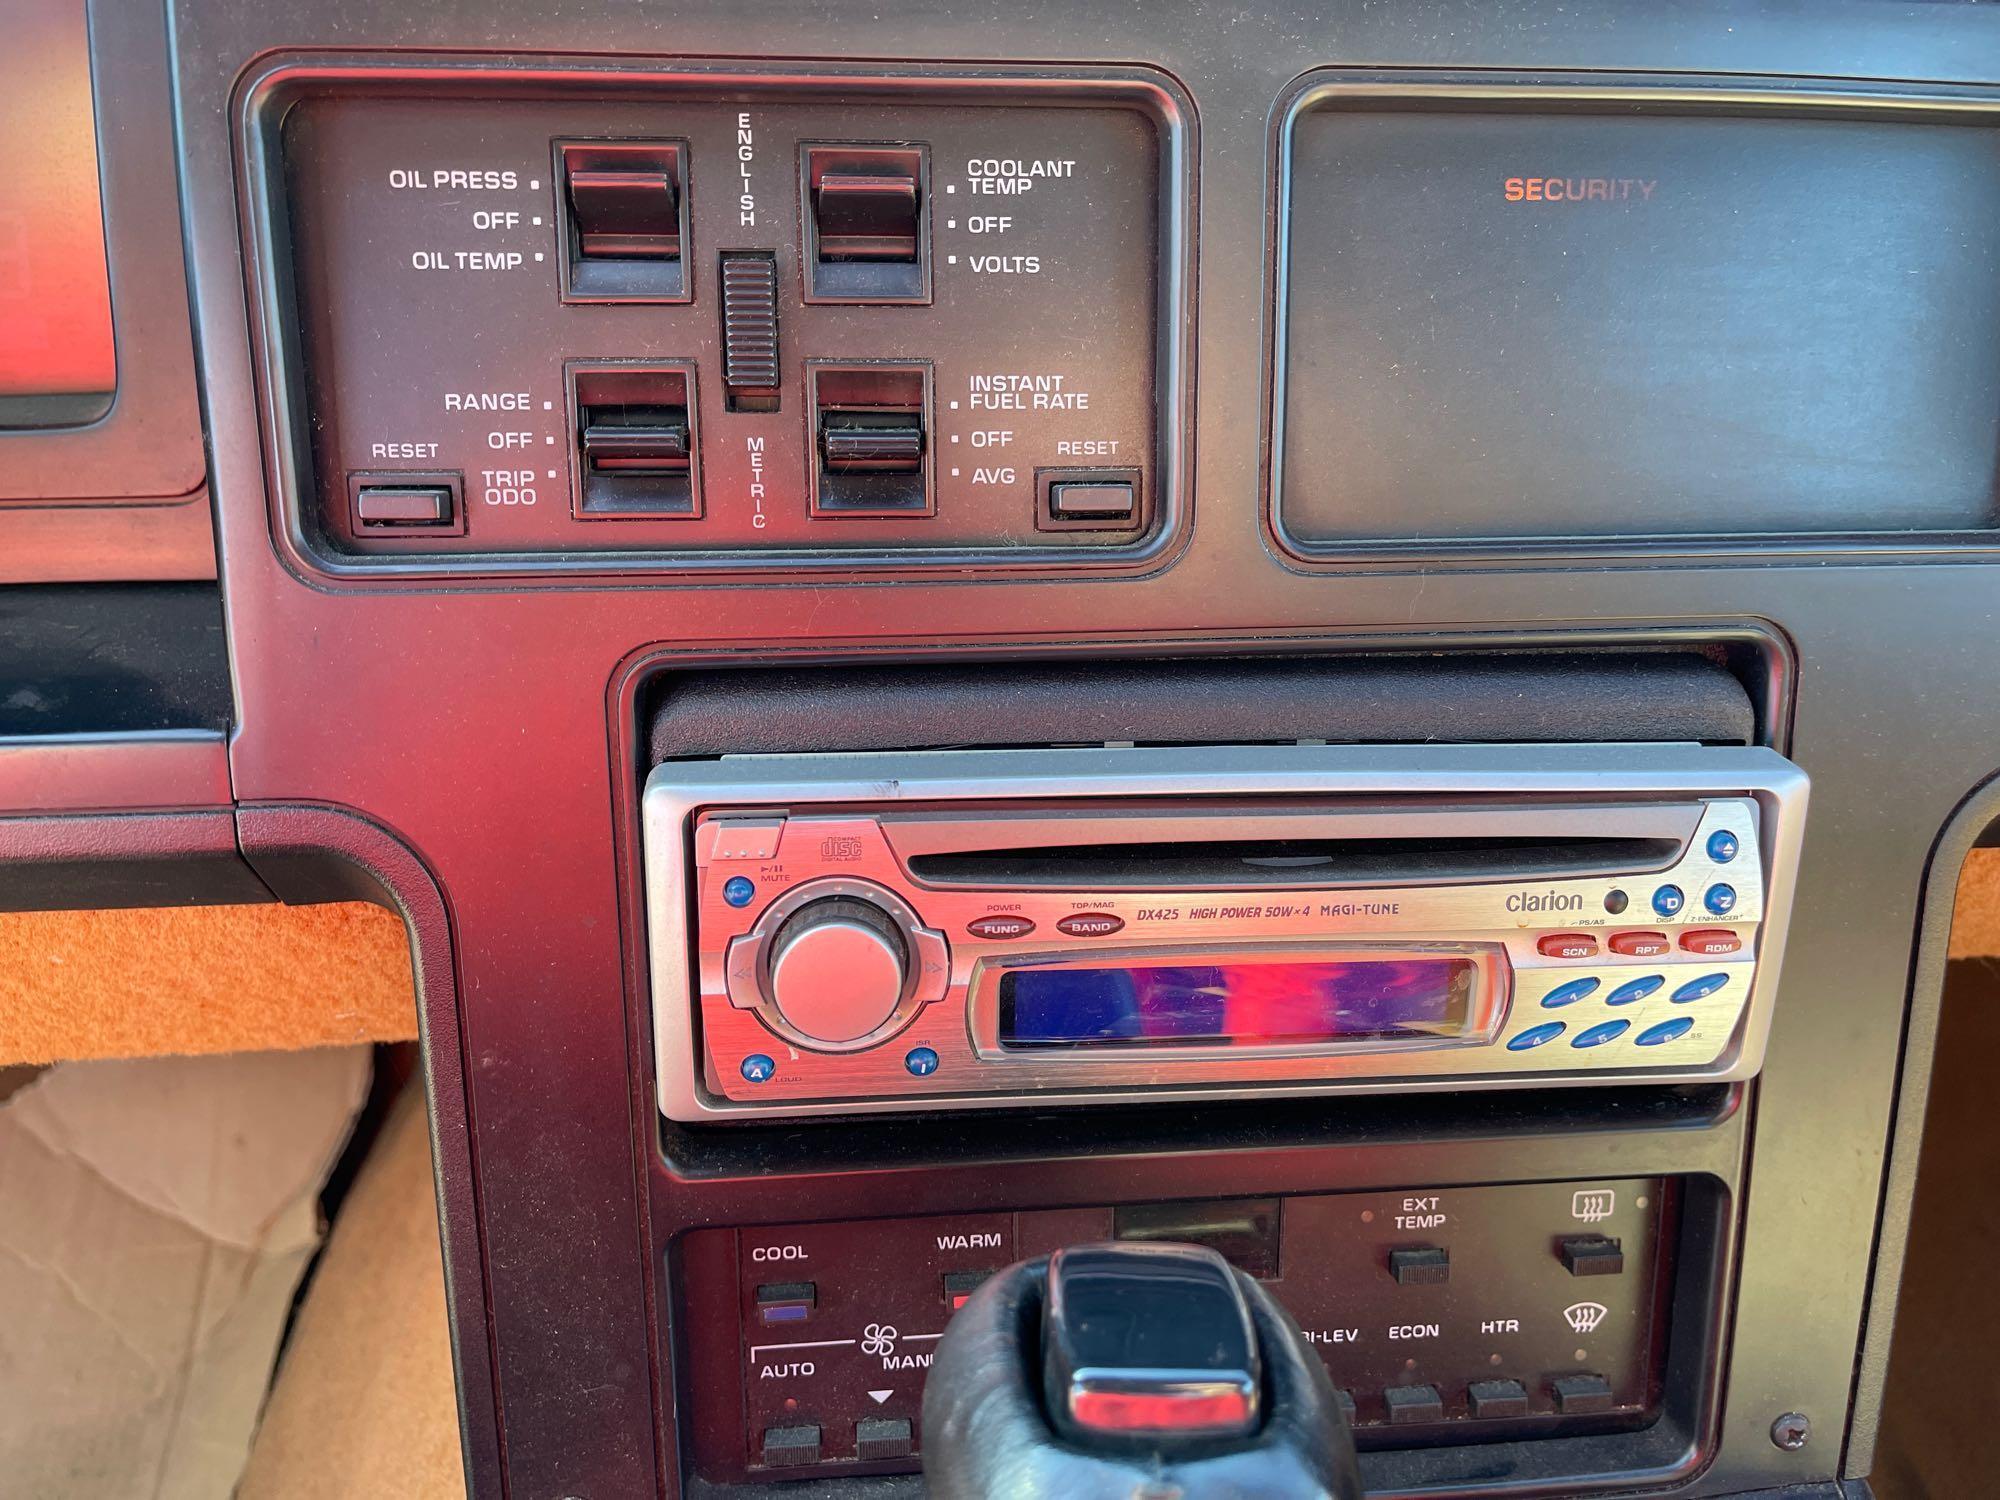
[988, 1434]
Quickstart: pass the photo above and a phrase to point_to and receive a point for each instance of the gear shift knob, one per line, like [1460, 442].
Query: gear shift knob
[1111, 1371]
[1148, 1348]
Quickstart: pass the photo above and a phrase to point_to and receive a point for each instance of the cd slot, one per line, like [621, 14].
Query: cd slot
[1222, 847]
[1322, 862]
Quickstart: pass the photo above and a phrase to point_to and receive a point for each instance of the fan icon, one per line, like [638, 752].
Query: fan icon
[879, 1338]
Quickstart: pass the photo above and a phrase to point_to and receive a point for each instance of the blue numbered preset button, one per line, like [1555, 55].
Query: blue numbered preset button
[757, 1068]
[1569, 994]
[922, 1061]
[738, 889]
[1668, 900]
[1723, 846]
[1602, 1032]
[1535, 1036]
[1699, 989]
[1638, 989]
[1719, 899]
[1666, 1031]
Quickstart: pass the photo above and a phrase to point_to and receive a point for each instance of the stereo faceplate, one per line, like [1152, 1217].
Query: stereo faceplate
[972, 928]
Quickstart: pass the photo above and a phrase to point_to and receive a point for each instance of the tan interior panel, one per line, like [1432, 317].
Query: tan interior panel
[201, 979]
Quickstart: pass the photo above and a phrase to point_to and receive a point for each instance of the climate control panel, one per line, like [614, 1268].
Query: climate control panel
[1445, 1315]
[765, 321]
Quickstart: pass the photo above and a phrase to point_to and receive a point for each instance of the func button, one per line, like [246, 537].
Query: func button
[1569, 994]
[1638, 989]
[1536, 1036]
[999, 928]
[1602, 1032]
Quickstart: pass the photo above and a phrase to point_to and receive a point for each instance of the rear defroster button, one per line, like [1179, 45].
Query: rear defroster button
[1089, 924]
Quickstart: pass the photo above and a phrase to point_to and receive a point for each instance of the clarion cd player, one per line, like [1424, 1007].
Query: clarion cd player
[970, 929]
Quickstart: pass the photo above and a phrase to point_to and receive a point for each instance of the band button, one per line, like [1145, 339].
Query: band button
[1640, 944]
[1089, 924]
[999, 929]
[1567, 945]
[1711, 942]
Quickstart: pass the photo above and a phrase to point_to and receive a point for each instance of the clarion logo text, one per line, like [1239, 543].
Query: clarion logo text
[1545, 901]
[1579, 189]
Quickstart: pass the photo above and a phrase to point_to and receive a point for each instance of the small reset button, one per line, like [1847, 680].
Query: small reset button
[1087, 499]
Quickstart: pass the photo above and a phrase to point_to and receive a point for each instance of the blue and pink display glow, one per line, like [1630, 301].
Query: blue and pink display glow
[1239, 1004]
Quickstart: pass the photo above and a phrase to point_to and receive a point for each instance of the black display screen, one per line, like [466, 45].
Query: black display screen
[1505, 324]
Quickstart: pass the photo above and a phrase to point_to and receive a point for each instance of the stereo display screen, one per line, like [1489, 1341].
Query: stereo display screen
[1509, 323]
[1240, 1003]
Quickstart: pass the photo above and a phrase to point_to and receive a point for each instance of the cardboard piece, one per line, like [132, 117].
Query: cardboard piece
[155, 1218]
[365, 1406]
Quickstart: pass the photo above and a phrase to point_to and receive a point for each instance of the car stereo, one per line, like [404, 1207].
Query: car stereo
[966, 929]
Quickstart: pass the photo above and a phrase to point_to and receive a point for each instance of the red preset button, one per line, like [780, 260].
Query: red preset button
[999, 929]
[1089, 924]
[1567, 945]
[1711, 941]
[1640, 944]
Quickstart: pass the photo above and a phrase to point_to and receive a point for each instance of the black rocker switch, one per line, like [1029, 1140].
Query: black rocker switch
[749, 281]
[625, 216]
[1591, 1255]
[870, 432]
[867, 223]
[635, 440]
[1420, 1265]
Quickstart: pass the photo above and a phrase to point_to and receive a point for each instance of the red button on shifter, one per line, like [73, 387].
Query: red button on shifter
[1711, 941]
[1640, 944]
[1567, 945]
